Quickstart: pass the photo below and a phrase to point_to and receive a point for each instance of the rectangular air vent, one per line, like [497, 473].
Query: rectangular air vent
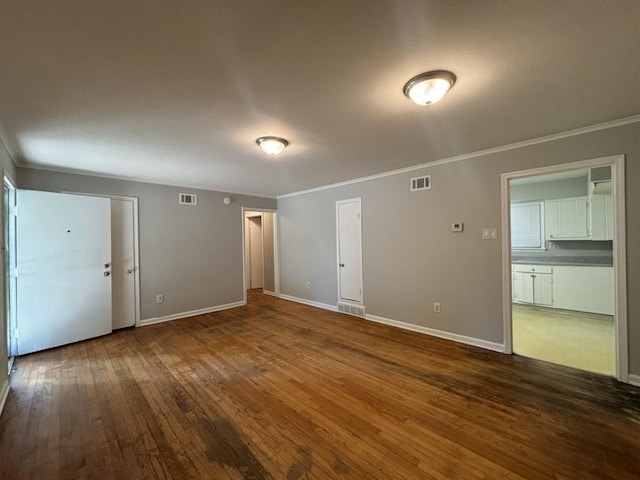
[420, 183]
[188, 199]
[351, 309]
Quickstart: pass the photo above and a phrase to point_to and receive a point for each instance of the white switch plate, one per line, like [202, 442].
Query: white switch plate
[486, 233]
[457, 227]
[159, 298]
[494, 233]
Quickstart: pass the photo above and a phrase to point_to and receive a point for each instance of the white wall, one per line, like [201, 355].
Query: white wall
[412, 259]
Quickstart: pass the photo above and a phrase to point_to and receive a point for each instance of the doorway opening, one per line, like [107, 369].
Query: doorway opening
[260, 251]
[564, 269]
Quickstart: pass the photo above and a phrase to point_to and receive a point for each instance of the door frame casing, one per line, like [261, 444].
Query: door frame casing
[276, 256]
[10, 287]
[136, 246]
[338, 203]
[616, 162]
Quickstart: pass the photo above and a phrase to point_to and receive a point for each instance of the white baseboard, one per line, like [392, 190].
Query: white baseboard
[4, 393]
[192, 313]
[268, 292]
[311, 303]
[476, 342]
[634, 380]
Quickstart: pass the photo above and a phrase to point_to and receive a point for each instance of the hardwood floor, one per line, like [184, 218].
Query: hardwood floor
[278, 390]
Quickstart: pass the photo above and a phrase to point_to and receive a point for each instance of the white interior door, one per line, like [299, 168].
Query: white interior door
[256, 253]
[123, 264]
[63, 286]
[350, 250]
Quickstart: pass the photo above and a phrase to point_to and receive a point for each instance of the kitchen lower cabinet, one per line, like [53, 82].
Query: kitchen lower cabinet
[584, 289]
[532, 284]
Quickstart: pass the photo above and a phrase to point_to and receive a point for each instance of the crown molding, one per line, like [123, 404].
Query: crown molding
[479, 153]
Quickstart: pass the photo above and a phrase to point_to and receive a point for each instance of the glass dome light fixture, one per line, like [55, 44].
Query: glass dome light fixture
[272, 145]
[429, 88]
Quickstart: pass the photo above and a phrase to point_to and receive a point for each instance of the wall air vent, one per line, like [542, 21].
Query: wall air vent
[351, 309]
[188, 199]
[420, 183]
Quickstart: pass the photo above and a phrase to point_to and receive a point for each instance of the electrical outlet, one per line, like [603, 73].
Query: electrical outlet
[159, 298]
[308, 284]
[436, 307]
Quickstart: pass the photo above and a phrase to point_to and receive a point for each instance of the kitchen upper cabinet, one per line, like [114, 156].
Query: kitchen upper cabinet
[601, 217]
[566, 219]
[532, 284]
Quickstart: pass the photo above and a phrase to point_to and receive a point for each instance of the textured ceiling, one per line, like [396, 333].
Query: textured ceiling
[176, 92]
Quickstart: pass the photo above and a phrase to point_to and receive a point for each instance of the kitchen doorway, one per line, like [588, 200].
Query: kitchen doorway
[563, 245]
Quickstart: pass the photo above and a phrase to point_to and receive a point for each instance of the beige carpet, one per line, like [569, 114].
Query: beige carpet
[578, 341]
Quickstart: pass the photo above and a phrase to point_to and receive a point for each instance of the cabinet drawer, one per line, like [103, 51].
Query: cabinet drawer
[532, 269]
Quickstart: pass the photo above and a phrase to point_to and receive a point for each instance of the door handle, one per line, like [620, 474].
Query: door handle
[130, 271]
[342, 264]
[107, 265]
[106, 274]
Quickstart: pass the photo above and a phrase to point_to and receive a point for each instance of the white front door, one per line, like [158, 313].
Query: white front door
[349, 250]
[63, 258]
[123, 269]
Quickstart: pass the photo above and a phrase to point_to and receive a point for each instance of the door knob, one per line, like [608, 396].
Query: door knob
[107, 265]
[106, 274]
[130, 271]
[342, 264]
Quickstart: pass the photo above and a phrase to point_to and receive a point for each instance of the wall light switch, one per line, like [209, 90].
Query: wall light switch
[494, 233]
[486, 233]
[457, 227]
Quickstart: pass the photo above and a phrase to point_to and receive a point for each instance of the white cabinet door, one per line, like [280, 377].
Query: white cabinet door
[63, 257]
[543, 289]
[566, 219]
[601, 216]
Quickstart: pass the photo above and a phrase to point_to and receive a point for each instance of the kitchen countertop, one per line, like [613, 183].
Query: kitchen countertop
[564, 261]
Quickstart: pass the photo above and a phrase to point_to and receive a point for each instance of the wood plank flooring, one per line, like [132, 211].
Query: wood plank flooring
[278, 390]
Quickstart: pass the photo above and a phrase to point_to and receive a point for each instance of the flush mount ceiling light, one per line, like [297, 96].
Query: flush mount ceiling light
[429, 88]
[272, 145]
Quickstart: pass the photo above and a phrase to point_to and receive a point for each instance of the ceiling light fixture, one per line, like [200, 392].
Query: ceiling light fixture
[429, 88]
[272, 145]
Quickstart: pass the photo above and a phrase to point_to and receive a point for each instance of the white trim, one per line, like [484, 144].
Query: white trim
[267, 292]
[191, 313]
[616, 162]
[324, 306]
[10, 291]
[357, 200]
[4, 394]
[478, 153]
[476, 342]
[506, 263]
[125, 178]
[634, 380]
[136, 246]
[620, 268]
